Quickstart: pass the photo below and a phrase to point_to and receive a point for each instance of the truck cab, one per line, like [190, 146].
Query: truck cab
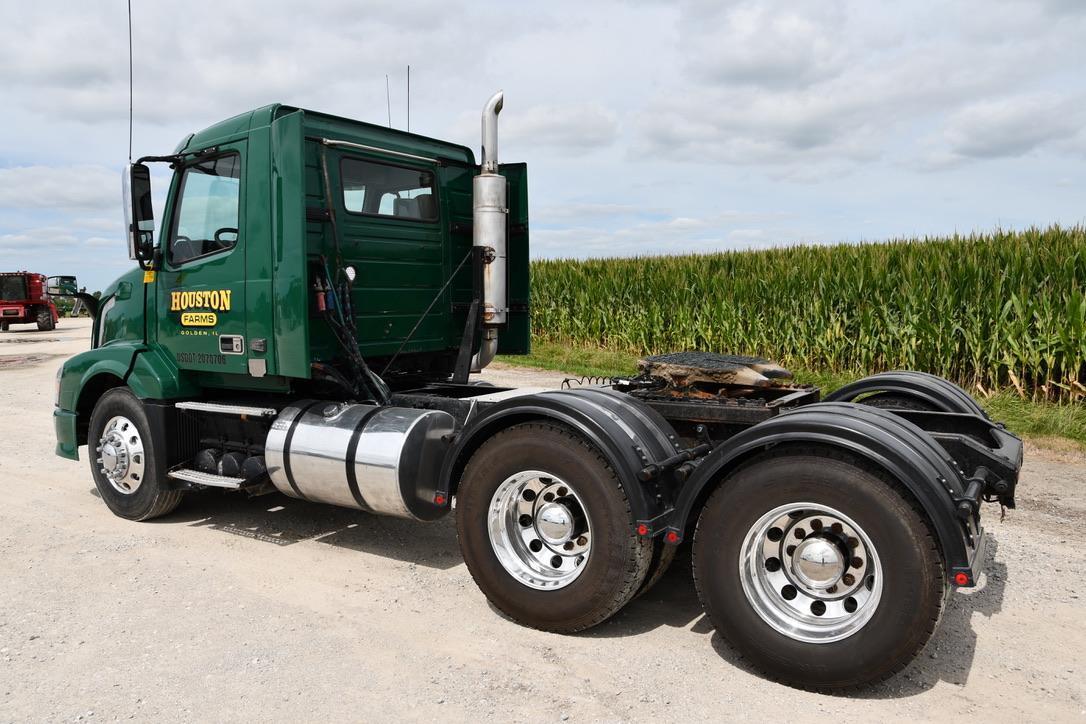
[261, 209]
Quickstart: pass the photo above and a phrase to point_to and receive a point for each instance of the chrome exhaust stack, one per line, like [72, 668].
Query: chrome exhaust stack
[489, 224]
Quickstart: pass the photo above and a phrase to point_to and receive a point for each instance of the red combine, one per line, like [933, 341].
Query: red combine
[24, 299]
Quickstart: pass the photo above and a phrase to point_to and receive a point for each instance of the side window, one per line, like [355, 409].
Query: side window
[378, 189]
[206, 219]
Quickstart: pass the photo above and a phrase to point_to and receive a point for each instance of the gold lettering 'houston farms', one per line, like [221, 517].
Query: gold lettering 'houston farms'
[215, 299]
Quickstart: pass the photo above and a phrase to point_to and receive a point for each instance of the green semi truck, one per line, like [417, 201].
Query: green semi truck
[307, 318]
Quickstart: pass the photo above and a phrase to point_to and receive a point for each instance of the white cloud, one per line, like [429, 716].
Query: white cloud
[107, 242]
[674, 235]
[72, 187]
[841, 84]
[1013, 126]
[578, 127]
[767, 44]
[36, 241]
[585, 211]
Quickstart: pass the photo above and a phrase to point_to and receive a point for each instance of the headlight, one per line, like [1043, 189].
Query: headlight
[56, 397]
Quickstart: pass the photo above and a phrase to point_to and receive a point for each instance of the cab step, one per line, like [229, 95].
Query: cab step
[222, 408]
[209, 479]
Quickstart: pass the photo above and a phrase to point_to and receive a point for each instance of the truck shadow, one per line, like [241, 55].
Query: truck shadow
[282, 521]
[948, 657]
[950, 653]
[673, 601]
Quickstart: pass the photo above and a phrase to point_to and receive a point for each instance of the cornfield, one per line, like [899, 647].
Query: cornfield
[988, 311]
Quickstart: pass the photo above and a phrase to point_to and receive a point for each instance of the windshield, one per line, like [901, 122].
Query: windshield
[206, 220]
[13, 288]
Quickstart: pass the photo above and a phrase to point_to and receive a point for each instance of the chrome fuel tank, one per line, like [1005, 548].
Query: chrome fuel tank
[384, 460]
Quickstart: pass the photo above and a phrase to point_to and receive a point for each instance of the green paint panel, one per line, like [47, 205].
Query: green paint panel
[121, 310]
[204, 298]
[402, 264]
[516, 338]
[64, 423]
[289, 284]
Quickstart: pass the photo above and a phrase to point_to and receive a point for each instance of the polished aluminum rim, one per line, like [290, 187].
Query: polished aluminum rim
[120, 455]
[539, 530]
[810, 572]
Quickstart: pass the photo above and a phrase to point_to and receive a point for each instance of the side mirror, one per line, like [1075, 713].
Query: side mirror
[139, 215]
[61, 286]
[66, 286]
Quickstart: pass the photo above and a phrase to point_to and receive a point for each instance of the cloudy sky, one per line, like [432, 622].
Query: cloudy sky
[648, 127]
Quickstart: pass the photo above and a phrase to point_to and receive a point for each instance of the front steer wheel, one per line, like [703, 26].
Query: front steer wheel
[124, 460]
[546, 530]
[818, 570]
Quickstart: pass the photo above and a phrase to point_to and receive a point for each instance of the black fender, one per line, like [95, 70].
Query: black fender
[939, 394]
[895, 445]
[628, 433]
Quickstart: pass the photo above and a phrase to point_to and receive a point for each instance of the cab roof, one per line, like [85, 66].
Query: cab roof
[327, 126]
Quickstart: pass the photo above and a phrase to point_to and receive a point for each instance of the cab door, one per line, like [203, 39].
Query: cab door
[201, 281]
[516, 338]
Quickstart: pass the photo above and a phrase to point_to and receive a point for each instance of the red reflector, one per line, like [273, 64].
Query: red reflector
[961, 579]
[439, 499]
[642, 529]
[672, 537]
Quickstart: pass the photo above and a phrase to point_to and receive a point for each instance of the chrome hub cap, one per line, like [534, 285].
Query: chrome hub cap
[818, 563]
[554, 523]
[539, 530]
[120, 455]
[810, 572]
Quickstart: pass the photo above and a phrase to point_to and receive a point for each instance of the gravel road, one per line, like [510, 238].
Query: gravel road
[270, 608]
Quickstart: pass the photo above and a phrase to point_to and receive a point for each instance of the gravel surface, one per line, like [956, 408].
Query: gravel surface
[272, 608]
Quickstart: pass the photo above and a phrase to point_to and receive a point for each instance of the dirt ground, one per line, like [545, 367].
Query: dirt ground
[271, 608]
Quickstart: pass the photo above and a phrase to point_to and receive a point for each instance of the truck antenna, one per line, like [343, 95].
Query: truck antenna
[388, 101]
[130, 81]
[409, 98]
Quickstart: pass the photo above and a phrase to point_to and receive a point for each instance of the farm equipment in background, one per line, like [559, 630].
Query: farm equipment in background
[67, 286]
[308, 322]
[24, 299]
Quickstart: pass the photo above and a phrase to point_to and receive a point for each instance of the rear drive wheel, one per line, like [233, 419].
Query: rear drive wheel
[123, 459]
[546, 530]
[3, 326]
[818, 570]
[45, 320]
